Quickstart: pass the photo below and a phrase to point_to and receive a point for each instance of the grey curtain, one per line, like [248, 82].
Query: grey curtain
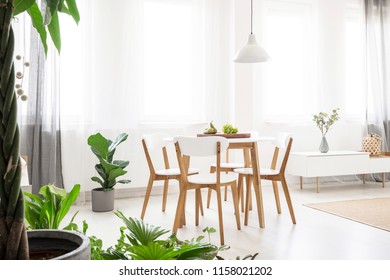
[378, 72]
[378, 69]
[40, 128]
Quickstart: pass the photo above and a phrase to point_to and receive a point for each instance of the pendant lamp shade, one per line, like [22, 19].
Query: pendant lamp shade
[251, 52]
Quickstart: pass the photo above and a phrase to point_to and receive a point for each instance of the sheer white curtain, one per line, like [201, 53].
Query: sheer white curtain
[140, 66]
[317, 51]
[378, 61]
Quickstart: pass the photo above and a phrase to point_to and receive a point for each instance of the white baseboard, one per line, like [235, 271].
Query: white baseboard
[85, 196]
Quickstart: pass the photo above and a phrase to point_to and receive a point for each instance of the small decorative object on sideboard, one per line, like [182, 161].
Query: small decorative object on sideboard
[372, 144]
[324, 121]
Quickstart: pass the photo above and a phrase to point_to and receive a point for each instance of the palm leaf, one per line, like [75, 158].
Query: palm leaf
[152, 251]
[197, 251]
[140, 232]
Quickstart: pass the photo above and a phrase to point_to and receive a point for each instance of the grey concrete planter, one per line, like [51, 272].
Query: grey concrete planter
[58, 245]
[102, 201]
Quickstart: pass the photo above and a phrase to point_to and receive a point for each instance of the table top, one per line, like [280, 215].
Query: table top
[251, 139]
[240, 140]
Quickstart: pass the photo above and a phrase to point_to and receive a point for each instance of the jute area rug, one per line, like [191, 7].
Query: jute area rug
[373, 212]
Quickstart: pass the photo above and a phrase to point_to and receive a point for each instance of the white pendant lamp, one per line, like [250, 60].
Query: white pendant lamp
[251, 52]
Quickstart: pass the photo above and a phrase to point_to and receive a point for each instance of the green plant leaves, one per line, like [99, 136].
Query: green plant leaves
[108, 169]
[48, 211]
[54, 30]
[37, 22]
[140, 232]
[66, 204]
[152, 251]
[73, 10]
[22, 5]
[99, 145]
[119, 139]
[46, 18]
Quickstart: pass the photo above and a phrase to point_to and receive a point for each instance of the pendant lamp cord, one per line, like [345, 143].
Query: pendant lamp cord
[251, 16]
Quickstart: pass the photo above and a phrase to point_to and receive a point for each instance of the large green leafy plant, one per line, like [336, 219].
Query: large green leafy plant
[108, 168]
[49, 209]
[141, 241]
[45, 19]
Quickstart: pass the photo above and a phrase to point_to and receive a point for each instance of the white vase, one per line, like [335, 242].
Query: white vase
[324, 147]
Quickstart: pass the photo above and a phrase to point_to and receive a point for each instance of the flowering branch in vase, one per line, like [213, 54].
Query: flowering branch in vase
[324, 121]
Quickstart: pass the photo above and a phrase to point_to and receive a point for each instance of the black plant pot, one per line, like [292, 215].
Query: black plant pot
[58, 245]
[102, 201]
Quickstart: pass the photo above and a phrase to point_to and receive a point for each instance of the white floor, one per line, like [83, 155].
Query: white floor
[316, 236]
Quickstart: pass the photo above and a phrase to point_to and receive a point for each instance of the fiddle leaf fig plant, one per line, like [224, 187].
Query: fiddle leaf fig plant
[108, 168]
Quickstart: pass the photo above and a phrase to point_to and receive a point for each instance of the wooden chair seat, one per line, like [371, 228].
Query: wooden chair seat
[204, 179]
[174, 172]
[263, 171]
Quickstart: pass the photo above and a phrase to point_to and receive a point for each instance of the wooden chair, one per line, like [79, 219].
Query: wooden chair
[283, 141]
[225, 167]
[187, 147]
[152, 143]
[228, 166]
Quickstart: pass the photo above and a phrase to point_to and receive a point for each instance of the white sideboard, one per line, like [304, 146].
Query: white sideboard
[336, 163]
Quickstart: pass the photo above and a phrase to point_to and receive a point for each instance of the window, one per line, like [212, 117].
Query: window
[289, 78]
[355, 91]
[172, 86]
[317, 59]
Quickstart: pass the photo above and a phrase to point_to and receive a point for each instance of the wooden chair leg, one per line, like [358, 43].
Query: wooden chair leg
[247, 201]
[201, 203]
[277, 199]
[225, 194]
[288, 199]
[183, 219]
[235, 202]
[240, 191]
[220, 218]
[146, 199]
[208, 198]
[259, 202]
[198, 206]
[165, 194]
[179, 210]
[248, 182]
